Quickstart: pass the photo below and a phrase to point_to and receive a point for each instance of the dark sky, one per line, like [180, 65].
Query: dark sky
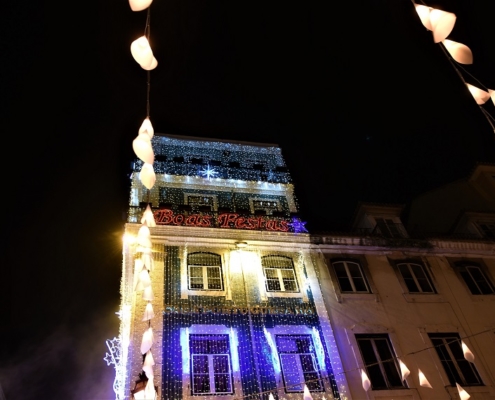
[362, 102]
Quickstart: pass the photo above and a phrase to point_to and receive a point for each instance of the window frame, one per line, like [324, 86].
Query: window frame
[212, 375]
[425, 271]
[349, 277]
[464, 266]
[279, 278]
[449, 340]
[383, 223]
[361, 337]
[205, 275]
[300, 365]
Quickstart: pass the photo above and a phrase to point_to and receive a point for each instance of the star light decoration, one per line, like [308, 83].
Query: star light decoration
[114, 357]
[208, 172]
[298, 225]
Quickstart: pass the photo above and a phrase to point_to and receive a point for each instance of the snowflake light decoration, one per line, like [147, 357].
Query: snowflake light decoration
[114, 357]
[208, 172]
[298, 225]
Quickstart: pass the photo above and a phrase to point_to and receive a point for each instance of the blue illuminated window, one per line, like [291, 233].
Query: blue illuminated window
[279, 274]
[299, 363]
[204, 271]
[211, 370]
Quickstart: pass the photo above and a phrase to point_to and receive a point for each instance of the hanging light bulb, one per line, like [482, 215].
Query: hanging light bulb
[365, 380]
[148, 312]
[404, 370]
[148, 293]
[463, 395]
[147, 341]
[148, 217]
[479, 95]
[459, 52]
[146, 127]
[143, 148]
[442, 23]
[439, 22]
[147, 176]
[139, 5]
[468, 355]
[307, 394]
[141, 51]
[422, 380]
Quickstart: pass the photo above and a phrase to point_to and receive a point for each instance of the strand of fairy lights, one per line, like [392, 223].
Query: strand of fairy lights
[441, 23]
[468, 355]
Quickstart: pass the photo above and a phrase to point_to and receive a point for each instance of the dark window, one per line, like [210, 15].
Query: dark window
[210, 364]
[299, 364]
[388, 228]
[351, 277]
[458, 369]
[380, 361]
[487, 229]
[416, 278]
[475, 279]
[201, 202]
[204, 271]
[279, 274]
[265, 205]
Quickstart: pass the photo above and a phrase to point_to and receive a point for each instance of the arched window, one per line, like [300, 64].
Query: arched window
[279, 274]
[204, 271]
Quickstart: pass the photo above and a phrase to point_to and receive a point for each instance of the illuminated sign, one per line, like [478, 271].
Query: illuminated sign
[166, 216]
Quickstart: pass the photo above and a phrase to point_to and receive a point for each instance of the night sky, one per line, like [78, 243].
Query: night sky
[363, 104]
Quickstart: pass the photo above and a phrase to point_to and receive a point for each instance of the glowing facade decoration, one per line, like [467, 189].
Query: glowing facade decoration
[218, 321]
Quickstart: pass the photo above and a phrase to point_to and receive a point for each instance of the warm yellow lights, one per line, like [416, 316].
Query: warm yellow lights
[147, 176]
[422, 380]
[139, 5]
[439, 22]
[365, 380]
[128, 238]
[404, 370]
[141, 51]
[468, 355]
[463, 395]
[459, 52]
[479, 95]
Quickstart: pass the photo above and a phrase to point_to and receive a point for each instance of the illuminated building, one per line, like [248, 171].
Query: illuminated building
[236, 297]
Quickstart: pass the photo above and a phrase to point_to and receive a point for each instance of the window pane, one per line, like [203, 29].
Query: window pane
[480, 279]
[371, 364]
[408, 278]
[200, 364]
[201, 384]
[421, 277]
[214, 278]
[288, 280]
[344, 281]
[292, 375]
[470, 282]
[388, 362]
[356, 275]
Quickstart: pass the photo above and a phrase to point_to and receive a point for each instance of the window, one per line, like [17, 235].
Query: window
[210, 364]
[298, 361]
[487, 229]
[201, 202]
[279, 274]
[204, 271]
[351, 277]
[380, 361]
[266, 205]
[475, 279]
[388, 228]
[415, 277]
[458, 369]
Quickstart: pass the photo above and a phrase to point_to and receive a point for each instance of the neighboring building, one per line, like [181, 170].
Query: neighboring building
[249, 303]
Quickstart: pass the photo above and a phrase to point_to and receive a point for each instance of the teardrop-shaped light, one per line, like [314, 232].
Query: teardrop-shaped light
[148, 294]
[148, 312]
[141, 51]
[404, 370]
[148, 217]
[365, 380]
[149, 390]
[463, 395]
[144, 278]
[422, 380]
[442, 23]
[147, 340]
[307, 394]
[143, 149]
[459, 52]
[147, 261]
[144, 242]
[424, 15]
[149, 370]
[479, 95]
[468, 355]
[152, 65]
[144, 231]
[147, 176]
[271, 397]
[148, 360]
[146, 127]
[139, 5]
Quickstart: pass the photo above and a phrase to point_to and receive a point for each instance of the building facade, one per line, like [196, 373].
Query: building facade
[235, 299]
